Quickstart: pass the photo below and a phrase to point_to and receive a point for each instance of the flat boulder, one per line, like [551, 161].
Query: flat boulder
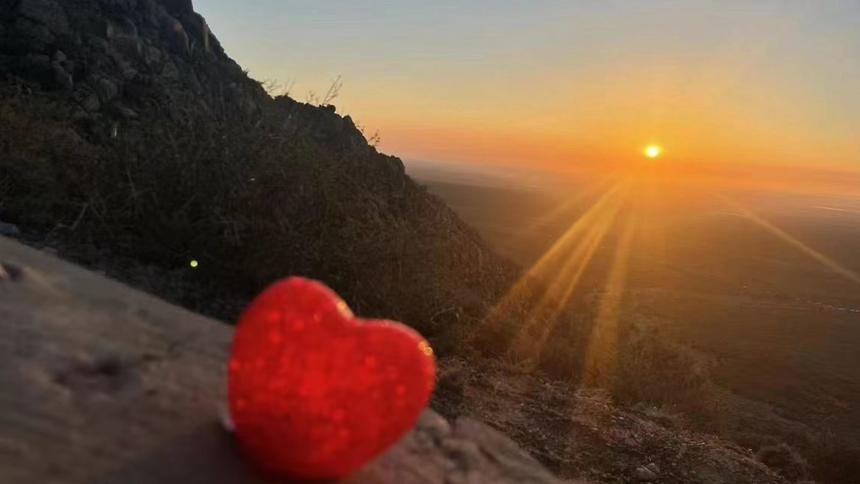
[105, 384]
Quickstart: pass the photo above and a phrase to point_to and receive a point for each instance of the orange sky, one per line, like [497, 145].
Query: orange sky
[558, 84]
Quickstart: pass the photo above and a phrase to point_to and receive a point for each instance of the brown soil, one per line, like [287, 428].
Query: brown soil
[580, 434]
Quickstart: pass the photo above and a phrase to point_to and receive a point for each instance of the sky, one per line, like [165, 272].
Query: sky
[563, 83]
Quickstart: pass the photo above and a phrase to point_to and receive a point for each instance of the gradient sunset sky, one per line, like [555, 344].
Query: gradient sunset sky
[557, 83]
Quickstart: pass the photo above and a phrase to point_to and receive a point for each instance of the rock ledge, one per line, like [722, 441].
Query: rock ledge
[104, 384]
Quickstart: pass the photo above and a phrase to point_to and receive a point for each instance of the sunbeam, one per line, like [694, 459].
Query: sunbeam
[562, 287]
[564, 244]
[561, 266]
[792, 241]
[561, 246]
[600, 356]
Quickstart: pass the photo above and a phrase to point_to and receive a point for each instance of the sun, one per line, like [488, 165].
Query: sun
[653, 151]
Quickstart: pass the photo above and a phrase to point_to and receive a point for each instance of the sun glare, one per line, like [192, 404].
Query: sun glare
[653, 151]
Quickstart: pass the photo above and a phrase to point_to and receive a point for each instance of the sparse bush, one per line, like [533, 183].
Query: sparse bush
[833, 459]
[252, 204]
[653, 368]
[34, 187]
[640, 365]
[663, 415]
[785, 460]
[450, 392]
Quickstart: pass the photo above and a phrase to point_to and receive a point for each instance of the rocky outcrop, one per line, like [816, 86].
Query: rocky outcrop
[115, 56]
[157, 58]
[104, 384]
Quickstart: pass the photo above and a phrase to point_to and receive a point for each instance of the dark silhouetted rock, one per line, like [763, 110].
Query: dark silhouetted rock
[91, 103]
[9, 230]
[178, 6]
[129, 47]
[107, 89]
[645, 474]
[62, 79]
[127, 113]
[30, 36]
[48, 13]
[177, 38]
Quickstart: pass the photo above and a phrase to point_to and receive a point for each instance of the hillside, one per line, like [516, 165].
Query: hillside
[131, 143]
[127, 129]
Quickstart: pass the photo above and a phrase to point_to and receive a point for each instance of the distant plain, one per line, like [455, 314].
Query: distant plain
[763, 283]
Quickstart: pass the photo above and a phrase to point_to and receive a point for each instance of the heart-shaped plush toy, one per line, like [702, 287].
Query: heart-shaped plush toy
[316, 393]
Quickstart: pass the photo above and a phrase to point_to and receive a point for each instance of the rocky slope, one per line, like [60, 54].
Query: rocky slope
[127, 129]
[581, 434]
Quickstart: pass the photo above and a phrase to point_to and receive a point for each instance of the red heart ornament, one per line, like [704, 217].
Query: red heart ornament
[316, 393]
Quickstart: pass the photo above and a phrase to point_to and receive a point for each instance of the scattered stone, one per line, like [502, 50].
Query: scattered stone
[50, 251]
[9, 230]
[79, 114]
[170, 72]
[630, 443]
[249, 106]
[32, 37]
[105, 29]
[9, 272]
[653, 468]
[36, 67]
[97, 44]
[644, 474]
[70, 44]
[128, 46]
[199, 29]
[62, 78]
[153, 55]
[107, 89]
[48, 13]
[178, 6]
[60, 57]
[177, 37]
[127, 28]
[129, 72]
[127, 113]
[91, 103]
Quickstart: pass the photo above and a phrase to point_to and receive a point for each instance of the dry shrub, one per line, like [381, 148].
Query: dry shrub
[833, 459]
[652, 368]
[638, 363]
[252, 203]
[35, 188]
[787, 461]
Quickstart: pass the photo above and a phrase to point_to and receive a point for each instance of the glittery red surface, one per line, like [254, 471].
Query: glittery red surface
[316, 393]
